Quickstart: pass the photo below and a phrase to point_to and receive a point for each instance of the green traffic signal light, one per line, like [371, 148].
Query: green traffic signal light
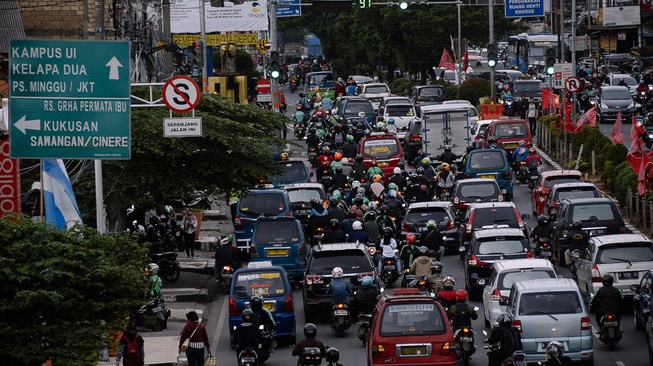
[275, 67]
[549, 70]
[550, 60]
[403, 5]
[491, 55]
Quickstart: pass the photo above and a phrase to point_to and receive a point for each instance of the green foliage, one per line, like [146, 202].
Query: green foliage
[401, 86]
[625, 178]
[473, 89]
[57, 285]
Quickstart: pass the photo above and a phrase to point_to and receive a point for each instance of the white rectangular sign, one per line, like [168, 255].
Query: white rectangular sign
[616, 16]
[182, 127]
[561, 71]
[249, 16]
[264, 98]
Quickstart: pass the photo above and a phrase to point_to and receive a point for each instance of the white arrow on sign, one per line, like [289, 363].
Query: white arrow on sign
[24, 124]
[113, 65]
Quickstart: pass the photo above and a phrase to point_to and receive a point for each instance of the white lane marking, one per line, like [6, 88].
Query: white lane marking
[619, 363]
[224, 309]
[595, 332]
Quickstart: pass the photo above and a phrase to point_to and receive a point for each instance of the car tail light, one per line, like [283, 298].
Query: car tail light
[468, 226]
[233, 309]
[474, 261]
[416, 101]
[456, 200]
[314, 279]
[378, 351]
[585, 323]
[596, 275]
[519, 220]
[496, 295]
[414, 137]
[253, 252]
[622, 230]
[448, 348]
[506, 175]
[404, 226]
[365, 274]
[288, 305]
[450, 225]
[477, 137]
[517, 324]
[237, 223]
[529, 254]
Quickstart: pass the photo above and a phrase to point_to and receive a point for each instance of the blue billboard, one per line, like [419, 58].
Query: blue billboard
[524, 8]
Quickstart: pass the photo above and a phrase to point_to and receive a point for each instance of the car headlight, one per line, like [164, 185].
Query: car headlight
[604, 106]
[631, 105]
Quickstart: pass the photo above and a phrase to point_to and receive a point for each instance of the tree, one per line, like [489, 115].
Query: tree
[56, 287]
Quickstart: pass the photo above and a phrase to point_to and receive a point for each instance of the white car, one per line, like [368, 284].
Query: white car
[375, 92]
[477, 131]
[504, 274]
[402, 115]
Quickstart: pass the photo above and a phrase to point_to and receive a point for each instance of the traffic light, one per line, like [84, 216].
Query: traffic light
[413, 5]
[491, 55]
[550, 60]
[275, 67]
[195, 53]
[228, 58]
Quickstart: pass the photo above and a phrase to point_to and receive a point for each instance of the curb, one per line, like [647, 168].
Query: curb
[186, 295]
[214, 215]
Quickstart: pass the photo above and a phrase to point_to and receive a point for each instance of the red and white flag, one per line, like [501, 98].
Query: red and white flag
[616, 133]
[446, 62]
[589, 118]
[466, 61]
[634, 138]
[641, 176]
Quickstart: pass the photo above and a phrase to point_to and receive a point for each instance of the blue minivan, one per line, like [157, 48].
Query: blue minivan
[293, 171]
[253, 204]
[278, 240]
[493, 164]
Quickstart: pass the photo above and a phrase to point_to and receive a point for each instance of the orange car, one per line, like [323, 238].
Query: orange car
[546, 181]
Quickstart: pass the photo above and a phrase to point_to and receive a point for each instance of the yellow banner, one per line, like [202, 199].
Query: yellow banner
[240, 39]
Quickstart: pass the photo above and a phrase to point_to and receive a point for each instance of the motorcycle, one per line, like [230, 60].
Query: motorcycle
[312, 156]
[248, 357]
[154, 314]
[300, 129]
[311, 356]
[267, 343]
[326, 177]
[340, 318]
[445, 194]
[226, 275]
[507, 105]
[610, 334]
[363, 326]
[518, 358]
[169, 268]
[521, 173]
[294, 84]
[422, 284]
[533, 176]
[389, 271]
[464, 343]
[318, 236]
[575, 258]
[544, 249]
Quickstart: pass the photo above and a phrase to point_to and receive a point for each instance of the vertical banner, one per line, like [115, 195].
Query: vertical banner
[9, 180]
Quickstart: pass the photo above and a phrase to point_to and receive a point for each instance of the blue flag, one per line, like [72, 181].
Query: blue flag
[58, 196]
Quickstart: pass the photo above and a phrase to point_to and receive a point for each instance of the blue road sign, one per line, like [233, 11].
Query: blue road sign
[524, 8]
[288, 8]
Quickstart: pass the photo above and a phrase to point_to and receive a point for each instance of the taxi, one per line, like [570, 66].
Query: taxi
[271, 282]
[409, 328]
[383, 148]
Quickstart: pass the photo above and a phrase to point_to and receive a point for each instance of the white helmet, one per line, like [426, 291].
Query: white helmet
[355, 184]
[153, 268]
[357, 225]
[226, 239]
[361, 114]
[396, 171]
[337, 272]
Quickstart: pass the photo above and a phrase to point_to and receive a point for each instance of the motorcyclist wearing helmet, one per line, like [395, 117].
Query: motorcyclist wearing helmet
[468, 149]
[395, 205]
[445, 179]
[310, 331]
[350, 147]
[360, 169]
[366, 297]
[376, 191]
[384, 219]
[554, 355]
[327, 103]
[335, 211]
[399, 179]
[154, 282]
[333, 234]
[317, 96]
[436, 279]
[347, 225]
[262, 316]
[447, 156]
[324, 163]
[429, 170]
[461, 314]
[607, 300]
[506, 93]
[359, 208]
[373, 170]
[520, 153]
[247, 334]
[412, 188]
[332, 357]
[340, 180]
[421, 266]
[312, 140]
[358, 234]
[225, 255]
[337, 161]
[424, 194]
[447, 296]
[410, 251]
[507, 336]
[533, 160]
[388, 246]
[391, 126]
[372, 228]
[577, 239]
[432, 238]
[338, 288]
[541, 231]
[318, 218]
[362, 119]
[303, 101]
[418, 159]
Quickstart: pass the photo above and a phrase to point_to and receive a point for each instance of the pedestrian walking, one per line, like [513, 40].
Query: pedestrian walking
[532, 115]
[198, 338]
[131, 348]
[189, 223]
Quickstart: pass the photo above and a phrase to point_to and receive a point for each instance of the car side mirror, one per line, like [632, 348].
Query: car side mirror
[503, 301]
[634, 287]
[525, 217]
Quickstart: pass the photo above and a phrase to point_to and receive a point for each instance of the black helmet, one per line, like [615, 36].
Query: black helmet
[164, 218]
[504, 320]
[332, 355]
[315, 202]
[339, 169]
[256, 302]
[310, 330]
[423, 250]
[312, 131]
[359, 158]
[161, 226]
[401, 165]
[542, 219]
[607, 280]
[577, 224]
[469, 148]
[247, 315]
[388, 231]
[154, 220]
[358, 200]
[436, 267]
[384, 209]
[370, 216]
[420, 171]
[333, 201]
[334, 223]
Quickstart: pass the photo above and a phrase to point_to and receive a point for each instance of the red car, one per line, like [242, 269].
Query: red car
[546, 181]
[409, 328]
[508, 133]
[383, 148]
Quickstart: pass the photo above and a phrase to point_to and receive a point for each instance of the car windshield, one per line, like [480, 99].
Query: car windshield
[589, 192]
[277, 232]
[376, 89]
[509, 130]
[501, 245]
[629, 80]
[563, 302]
[408, 319]
[353, 107]
[265, 283]
[304, 195]
[486, 160]
[350, 260]
[616, 94]
[424, 215]
[494, 215]
[596, 212]
[380, 148]
[624, 253]
[478, 190]
[262, 204]
[431, 92]
[293, 171]
[506, 279]
[321, 79]
[527, 86]
[398, 110]
[557, 179]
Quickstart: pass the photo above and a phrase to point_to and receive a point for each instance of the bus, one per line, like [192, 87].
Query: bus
[529, 49]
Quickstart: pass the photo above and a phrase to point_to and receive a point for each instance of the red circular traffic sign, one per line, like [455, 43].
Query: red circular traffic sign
[572, 84]
[263, 86]
[181, 94]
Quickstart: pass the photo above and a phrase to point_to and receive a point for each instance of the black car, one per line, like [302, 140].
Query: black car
[300, 196]
[612, 100]
[480, 216]
[561, 191]
[427, 94]
[353, 258]
[599, 216]
[486, 247]
[412, 142]
[474, 190]
[418, 214]
[529, 88]
[642, 300]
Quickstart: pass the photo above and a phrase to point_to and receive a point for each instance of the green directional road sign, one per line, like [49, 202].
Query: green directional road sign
[69, 99]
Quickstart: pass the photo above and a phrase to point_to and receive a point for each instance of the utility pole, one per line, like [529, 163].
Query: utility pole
[167, 38]
[491, 29]
[274, 47]
[204, 85]
[99, 190]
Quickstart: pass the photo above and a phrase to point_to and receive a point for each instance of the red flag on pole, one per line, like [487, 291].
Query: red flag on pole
[616, 134]
[641, 176]
[466, 61]
[589, 118]
[568, 125]
[545, 98]
[446, 62]
[634, 138]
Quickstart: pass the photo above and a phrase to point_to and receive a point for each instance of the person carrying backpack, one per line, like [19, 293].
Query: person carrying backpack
[507, 336]
[461, 314]
[131, 348]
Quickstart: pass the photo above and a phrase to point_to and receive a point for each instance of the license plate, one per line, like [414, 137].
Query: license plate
[546, 344]
[302, 212]
[388, 268]
[612, 323]
[248, 359]
[545, 252]
[597, 232]
[489, 176]
[383, 163]
[510, 145]
[227, 275]
[341, 312]
[413, 351]
[534, 177]
[157, 309]
[466, 339]
[628, 275]
[277, 252]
